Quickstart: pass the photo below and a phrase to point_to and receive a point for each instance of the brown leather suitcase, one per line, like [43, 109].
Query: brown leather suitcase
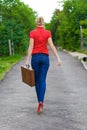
[28, 76]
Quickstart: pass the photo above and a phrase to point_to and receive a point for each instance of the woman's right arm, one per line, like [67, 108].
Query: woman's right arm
[30, 51]
[50, 43]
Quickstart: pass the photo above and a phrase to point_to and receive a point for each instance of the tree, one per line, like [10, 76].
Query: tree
[83, 23]
[68, 23]
[18, 20]
[54, 25]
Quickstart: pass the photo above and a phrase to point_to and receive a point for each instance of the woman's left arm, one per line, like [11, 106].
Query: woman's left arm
[31, 45]
[53, 48]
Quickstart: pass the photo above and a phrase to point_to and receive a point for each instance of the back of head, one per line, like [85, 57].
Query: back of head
[40, 21]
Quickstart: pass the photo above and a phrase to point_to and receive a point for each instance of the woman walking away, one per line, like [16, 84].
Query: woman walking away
[39, 39]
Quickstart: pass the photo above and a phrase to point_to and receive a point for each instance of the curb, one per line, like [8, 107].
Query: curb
[80, 57]
[84, 64]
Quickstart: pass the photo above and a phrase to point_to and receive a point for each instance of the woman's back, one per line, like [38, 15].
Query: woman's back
[40, 36]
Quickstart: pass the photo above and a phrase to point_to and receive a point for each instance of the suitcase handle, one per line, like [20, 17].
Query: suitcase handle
[27, 66]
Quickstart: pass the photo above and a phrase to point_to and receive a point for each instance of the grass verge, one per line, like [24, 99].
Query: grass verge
[7, 62]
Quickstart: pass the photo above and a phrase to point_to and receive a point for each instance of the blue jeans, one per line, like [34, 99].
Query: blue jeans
[40, 64]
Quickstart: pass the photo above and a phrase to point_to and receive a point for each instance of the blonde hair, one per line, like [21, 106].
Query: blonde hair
[40, 21]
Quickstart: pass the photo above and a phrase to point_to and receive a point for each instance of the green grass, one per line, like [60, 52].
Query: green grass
[82, 51]
[6, 64]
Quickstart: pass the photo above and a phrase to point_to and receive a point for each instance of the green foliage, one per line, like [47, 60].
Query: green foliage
[18, 20]
[47, 26]
[65, 25]
[54, 24]
[83, 23]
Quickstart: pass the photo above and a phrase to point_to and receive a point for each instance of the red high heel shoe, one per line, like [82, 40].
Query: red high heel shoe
[40, 108]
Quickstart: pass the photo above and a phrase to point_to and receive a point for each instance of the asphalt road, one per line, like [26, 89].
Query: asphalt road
[65, 99]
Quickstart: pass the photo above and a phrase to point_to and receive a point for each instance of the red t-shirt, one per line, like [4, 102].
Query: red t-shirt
[40, 36]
